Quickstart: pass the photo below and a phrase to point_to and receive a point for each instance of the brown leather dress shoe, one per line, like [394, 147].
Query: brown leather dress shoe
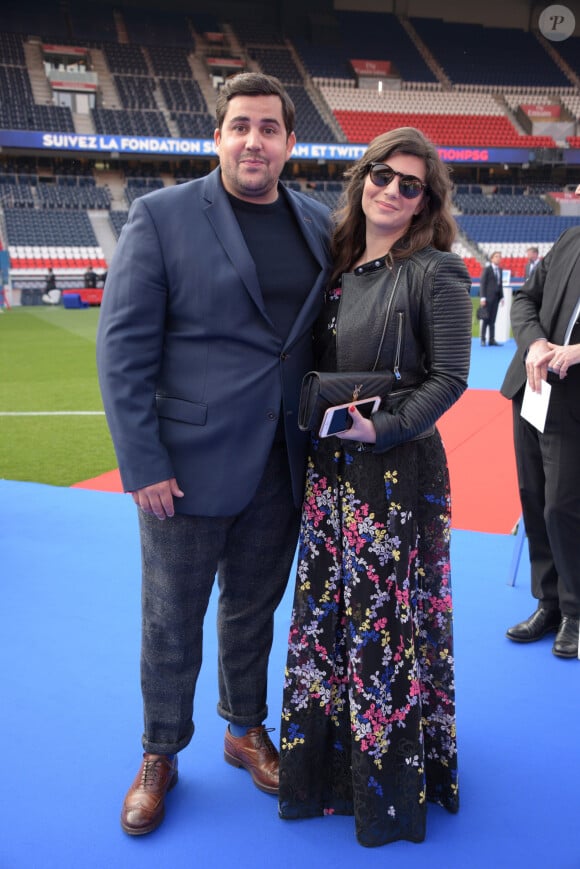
[540, 623]
[566, 642]
[144, 809]
[256, 753]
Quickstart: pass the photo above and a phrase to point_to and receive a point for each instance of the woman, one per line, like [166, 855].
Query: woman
[368, 722]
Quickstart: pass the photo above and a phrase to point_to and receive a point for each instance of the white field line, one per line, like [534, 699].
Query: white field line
[52, 413]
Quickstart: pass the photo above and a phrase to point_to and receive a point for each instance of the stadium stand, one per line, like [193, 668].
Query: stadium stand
[125, 59]
[501, 203]
[157, 27]
[59, 239]
[366, 34]
[135, 92]
[251, 32]
[490, 56]
[194, 126]
[35, 17]
[12, 51]
[170, 62]
[155, 80]
[87, 28]
[130, 123]
[118, 220]
[310, 125]
[203, 23]
[325, 62]
[183, 95]
[137, 187]
[84, 195]
[512, 235]
[448, 118]
[278, 62]
[569, 52]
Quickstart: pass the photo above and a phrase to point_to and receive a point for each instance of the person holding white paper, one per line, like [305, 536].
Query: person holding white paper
[545, 318]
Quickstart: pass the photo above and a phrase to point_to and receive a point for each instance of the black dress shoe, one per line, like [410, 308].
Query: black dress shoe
[541, 622]
[566, 642]
[494, 344]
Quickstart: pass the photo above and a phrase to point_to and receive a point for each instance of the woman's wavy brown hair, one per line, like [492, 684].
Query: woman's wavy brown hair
[433, 225]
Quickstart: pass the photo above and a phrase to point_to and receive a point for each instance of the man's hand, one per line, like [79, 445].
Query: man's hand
[561, 357]
[158, 498]
[537, 363]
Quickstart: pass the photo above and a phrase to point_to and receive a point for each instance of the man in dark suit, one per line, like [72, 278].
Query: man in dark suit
[90, 277]
[490, 295]
[545, 322]
[533, 255]
[203, 340]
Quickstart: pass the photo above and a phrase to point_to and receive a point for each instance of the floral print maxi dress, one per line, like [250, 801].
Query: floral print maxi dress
[368, 719]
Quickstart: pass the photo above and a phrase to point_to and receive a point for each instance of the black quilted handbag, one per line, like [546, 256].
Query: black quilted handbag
[324, 389]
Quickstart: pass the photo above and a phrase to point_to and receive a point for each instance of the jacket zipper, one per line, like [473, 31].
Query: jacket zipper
[389, 306]
[396, 369]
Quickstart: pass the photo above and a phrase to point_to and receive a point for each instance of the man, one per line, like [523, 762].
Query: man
[545, 322]
[203, 340]
[52, 294]
[533, 255]
[50, 282]
[490, 295]
[90, 277]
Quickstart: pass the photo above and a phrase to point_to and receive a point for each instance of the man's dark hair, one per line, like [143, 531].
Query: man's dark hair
[254, 84]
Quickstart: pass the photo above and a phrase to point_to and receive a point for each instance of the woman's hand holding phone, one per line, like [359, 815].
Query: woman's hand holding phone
[351, 421]
[361, 429]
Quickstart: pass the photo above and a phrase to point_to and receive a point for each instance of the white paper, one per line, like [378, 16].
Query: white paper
[535, 405]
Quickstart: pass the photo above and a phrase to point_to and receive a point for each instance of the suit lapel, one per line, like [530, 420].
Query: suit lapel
[306, 223]
[229, 235]
[313, 301]
[563, 301]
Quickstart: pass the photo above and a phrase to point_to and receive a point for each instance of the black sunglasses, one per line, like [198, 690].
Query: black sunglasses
[382, 174]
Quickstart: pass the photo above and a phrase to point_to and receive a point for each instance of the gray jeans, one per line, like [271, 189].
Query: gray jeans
[252, 554]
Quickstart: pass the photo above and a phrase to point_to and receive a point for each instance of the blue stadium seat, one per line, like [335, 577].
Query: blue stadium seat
[494, 56]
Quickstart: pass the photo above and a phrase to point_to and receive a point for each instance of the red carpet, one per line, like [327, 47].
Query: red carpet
[477, 432]
[109, 482]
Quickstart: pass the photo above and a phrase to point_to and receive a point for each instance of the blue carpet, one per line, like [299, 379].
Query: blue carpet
[489, 364]
[71, 712]
[71, 717]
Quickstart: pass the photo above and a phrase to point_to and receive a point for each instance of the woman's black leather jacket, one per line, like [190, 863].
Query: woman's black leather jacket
[414, 320]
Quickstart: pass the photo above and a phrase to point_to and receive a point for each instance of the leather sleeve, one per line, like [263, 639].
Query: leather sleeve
[446, 314]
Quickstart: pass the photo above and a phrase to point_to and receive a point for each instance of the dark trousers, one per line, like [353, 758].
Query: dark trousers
[548, 467]
[252, 554]
[491, 307]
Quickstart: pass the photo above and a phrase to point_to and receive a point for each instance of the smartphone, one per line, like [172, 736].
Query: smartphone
[337, 419]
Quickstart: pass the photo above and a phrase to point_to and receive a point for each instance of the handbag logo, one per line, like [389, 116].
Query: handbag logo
[356, 391]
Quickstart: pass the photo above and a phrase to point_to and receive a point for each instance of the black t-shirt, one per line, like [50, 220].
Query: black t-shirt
[286, 267]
